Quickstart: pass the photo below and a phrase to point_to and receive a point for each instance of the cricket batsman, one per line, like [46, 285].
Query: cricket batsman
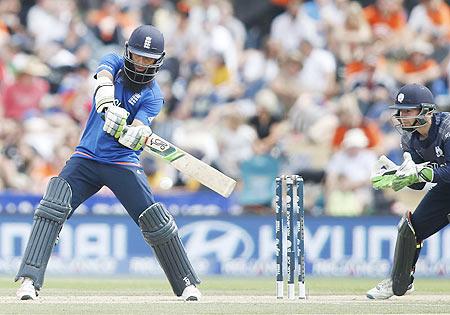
[426, 145]
[126, 100]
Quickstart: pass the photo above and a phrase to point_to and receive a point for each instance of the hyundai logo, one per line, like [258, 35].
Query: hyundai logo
[216, 239]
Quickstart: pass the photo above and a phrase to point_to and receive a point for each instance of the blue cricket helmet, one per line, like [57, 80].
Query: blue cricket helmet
[146, 41]
[413, 96]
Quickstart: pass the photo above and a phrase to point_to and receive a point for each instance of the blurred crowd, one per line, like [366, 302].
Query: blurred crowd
[307, 94]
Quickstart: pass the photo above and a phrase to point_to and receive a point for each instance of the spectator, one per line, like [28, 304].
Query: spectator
[385, 17]
[430, 17]
[76, 42]
[235, 142]
[266, 122]
[75, 90]
[200, 95]
[258, 68]
[353, 31]
[110, 23]
[318, 74]
[370, 81]
[367, 69]
[418, 67]
[48, 20]
[295, 22]
[348, 186]
[23, 97]
[9, 20]
[350, 117]
[286, 84]
[180, 38]
[236, 27]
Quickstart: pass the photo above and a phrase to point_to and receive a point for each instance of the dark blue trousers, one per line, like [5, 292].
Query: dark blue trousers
[430, 215]
[127, 182]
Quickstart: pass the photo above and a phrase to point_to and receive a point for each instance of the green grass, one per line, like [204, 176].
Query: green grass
[221, 296]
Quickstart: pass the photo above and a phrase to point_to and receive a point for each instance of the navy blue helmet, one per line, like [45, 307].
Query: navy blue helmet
[146, 41]
[413, 96]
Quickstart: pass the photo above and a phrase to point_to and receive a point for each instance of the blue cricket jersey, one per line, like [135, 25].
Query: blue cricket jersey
[98, 145]
[434, 149]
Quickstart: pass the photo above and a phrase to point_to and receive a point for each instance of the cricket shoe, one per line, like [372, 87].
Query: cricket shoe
[27, 290]
[383, 290]
[191, 293]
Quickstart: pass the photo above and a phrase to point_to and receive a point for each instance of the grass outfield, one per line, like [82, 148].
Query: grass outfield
[220, 296]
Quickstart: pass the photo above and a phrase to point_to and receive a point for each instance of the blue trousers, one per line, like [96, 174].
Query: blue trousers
[430, 215]
[128, 183]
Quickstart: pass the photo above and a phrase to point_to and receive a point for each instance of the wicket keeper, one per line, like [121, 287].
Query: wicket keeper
[426, 145]
[126, 100]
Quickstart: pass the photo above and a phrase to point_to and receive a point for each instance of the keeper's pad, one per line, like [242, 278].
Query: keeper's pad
[405, 250]
[161, 233]
[49, 218]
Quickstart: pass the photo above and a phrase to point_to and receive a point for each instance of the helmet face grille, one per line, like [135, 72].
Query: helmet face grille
[140, 77]
[420, 120]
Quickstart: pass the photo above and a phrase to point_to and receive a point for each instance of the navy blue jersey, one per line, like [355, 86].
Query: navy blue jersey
[434, 149]
[144, 106]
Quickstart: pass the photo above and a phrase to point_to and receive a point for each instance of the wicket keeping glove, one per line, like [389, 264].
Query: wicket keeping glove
[104, 94]
[383, 173]
[410, 173]
[134, 137]
[115, 121]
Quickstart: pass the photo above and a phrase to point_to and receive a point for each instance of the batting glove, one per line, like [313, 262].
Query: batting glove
[135, 136]
[104, 94]
[383, 173]
[115, 121]
[410, 173]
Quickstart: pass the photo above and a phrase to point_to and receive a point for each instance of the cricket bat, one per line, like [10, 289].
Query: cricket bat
[189, 165]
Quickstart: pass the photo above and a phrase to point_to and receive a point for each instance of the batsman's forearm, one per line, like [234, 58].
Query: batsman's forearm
[105, 73]
[137, 122]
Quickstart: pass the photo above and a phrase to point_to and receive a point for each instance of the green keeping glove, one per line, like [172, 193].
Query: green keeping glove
[384, 181]
[383, 173]
[410, 173]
